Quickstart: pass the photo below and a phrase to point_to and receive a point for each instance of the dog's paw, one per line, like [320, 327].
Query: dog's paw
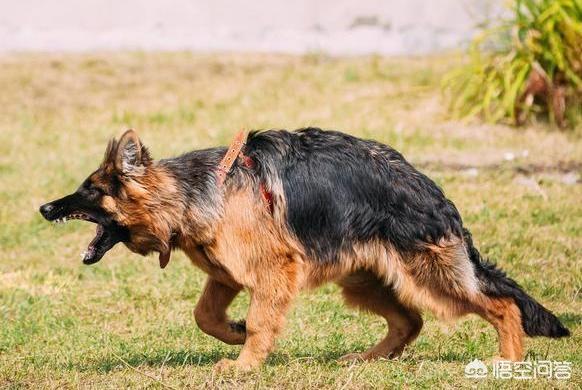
[352, 357]
[225, 365]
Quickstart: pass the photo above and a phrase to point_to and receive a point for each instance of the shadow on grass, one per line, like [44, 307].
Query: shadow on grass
[158, 359]
[179, 358]
[192, 358]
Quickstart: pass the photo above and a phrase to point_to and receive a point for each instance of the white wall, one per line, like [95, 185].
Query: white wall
[331, 26]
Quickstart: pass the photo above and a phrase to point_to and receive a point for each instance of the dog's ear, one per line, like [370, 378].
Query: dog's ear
[131, 156]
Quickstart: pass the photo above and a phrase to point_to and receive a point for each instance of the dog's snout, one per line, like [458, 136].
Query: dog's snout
[46, 209]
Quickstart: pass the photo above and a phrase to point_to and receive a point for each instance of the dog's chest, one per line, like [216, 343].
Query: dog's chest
[201, 259]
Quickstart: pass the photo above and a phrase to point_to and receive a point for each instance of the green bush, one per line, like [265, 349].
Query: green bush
[530, 63]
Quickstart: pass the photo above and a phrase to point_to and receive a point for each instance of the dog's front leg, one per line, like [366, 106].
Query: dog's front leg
[265, 320]
[210, 313]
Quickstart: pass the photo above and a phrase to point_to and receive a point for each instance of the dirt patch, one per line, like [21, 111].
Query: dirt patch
[562, 167]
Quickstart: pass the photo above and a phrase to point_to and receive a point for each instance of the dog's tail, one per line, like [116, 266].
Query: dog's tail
[536, 319]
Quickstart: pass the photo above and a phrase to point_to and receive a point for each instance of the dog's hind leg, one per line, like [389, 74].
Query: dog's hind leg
[505, 317]
[365, 291]
[210, 313]
[443, 280]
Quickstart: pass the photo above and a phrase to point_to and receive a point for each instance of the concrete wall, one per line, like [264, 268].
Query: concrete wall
[330, 26]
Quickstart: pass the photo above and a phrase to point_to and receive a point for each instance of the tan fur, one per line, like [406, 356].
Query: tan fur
[210, 312]
[505, 317]
[262, 258]
[239, 244]
[149, 231]
[364, 290]
[432, 280]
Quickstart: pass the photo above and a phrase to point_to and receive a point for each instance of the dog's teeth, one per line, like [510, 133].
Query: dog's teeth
[83, 254]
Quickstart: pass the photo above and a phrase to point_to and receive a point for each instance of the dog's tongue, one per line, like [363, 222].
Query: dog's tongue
[165, 258]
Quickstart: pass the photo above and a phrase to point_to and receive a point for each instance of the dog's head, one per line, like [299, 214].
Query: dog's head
[121, 197]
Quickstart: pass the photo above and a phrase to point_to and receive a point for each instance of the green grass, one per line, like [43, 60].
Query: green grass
[126, 323]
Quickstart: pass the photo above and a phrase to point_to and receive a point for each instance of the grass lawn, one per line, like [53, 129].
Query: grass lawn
[125, 323]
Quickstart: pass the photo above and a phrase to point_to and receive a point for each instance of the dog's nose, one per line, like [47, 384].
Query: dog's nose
[45, 209]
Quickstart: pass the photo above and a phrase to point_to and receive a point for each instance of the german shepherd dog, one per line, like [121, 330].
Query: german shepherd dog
[296, 210]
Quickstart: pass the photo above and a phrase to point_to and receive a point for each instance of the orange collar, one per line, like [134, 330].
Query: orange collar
[234, 151]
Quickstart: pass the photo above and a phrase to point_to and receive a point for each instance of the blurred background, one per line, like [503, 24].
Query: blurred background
[484, 96]
[339, 27]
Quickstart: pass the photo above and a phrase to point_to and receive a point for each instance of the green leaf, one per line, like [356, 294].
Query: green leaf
[547, 32]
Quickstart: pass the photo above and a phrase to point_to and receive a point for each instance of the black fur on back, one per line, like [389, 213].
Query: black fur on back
[341, 190]
[195, 172]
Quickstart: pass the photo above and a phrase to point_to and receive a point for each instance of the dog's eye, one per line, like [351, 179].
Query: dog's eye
[97, 191]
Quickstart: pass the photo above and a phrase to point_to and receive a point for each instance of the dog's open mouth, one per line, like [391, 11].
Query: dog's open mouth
[89, 255]
[106, 236]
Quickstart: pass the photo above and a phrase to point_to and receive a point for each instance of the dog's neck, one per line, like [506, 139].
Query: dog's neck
[196, 196]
